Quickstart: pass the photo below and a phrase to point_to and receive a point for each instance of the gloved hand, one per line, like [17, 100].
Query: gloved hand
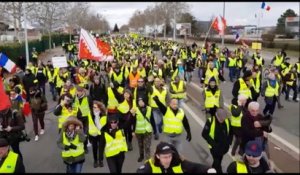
[66, 148]
[72, 146]
[155, 98]
[189, 137]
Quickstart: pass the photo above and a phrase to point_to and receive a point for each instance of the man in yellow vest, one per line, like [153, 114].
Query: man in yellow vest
[167, 160]
[84, 105]
[278, 60]
[174, 120]
[133, 78]
[291, 83]
[297, 67]
[218, 134]
[34, 56]
[211, 72]
[270, 90]
[10, 162]
[232, 65]
[252, 161]
[213, 97]
[51, 75]
[244, 86]
[178, 90]
[258, 60]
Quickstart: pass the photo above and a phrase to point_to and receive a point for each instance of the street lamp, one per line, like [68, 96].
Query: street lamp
[26, 39]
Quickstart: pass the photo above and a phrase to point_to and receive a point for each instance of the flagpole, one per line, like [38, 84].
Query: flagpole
[224, 18]
[26, 39]
[208, 32]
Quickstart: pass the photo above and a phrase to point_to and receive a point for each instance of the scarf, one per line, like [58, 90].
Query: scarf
[70, 134]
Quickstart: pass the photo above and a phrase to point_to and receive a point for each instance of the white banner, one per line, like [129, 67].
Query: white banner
[59, 62]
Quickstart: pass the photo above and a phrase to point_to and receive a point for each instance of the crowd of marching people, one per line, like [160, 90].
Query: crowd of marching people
[139, 95]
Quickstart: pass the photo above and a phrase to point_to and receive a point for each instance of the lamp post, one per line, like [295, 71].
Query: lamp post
[224, 18]
[26, 39]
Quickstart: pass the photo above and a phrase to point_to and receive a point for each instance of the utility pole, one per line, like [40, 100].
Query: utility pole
[224, 18]
[174, 27]
[26, 39]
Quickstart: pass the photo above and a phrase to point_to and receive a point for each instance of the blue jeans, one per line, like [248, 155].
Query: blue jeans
[231, 73]
[74, 168]
[52, 89]
[158, 119]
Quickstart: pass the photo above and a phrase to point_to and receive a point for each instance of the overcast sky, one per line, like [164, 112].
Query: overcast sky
[236, 13]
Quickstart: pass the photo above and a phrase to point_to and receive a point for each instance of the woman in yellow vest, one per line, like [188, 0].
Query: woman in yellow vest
[252, 161]
[167, 160]
[143, 126]
[96, 122]
[71, 141]
[114, 143]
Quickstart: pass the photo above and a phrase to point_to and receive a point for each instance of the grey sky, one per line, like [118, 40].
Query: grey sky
[237, 13]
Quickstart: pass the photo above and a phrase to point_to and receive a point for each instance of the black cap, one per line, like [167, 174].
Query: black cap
[164, 148]
[3, 142]
[247, 73]
[113, 117]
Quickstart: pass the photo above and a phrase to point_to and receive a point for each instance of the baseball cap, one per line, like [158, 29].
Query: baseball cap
[3, 142]
[253, 148]
[164, 148]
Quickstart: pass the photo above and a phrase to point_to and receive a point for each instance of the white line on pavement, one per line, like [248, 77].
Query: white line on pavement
[276, 137]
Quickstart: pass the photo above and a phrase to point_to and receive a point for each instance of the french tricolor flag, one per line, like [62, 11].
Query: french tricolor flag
[6, 63]
[263, 6]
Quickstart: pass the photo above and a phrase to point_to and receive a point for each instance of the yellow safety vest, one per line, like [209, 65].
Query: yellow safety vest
[209, 74]
[232, 62]
[112, 102]
[173, 123]
[118, 78]
[194, 55]
[213, 128]
[93, 130]
[83, 80]
[222, 57]
[278, 60]
[258, 61]
[270, 91]
[52, 76]
[72, 91]
[124, 107]
[183, 54]
[161, 96]
[142, 125]
[83, 106]
[65, 113]
[179, 92]
[244, 89]
[9, 164]
[59, 81]
[72, 152]
[115, 145]
[239, 63]
[290, 83]
[203, 51]
[256, 84]
[235, 121]
[142, 72]
[212, 100]
[155, 169]
[298, 67]
[241, 167]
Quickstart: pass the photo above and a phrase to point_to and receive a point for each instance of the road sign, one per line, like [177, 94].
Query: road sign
[256, 46]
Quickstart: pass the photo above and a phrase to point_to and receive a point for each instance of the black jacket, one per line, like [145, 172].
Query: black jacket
[19, 165]
[98, 92]
[222, 140]
[28, 81]
[262, 168]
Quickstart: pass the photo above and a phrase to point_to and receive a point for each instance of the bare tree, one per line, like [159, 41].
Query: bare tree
[50, 15]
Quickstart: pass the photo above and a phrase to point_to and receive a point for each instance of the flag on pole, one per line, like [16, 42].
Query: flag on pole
[6, 63]
[219, 24]
[92, 48]
[263, 6]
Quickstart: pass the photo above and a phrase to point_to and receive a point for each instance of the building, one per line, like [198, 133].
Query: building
[292, 25]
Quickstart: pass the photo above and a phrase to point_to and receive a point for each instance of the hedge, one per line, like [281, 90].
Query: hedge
[14, 50]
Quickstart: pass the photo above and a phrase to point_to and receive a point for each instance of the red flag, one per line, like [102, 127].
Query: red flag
[105, 50]
[219, 24]
[5, 101]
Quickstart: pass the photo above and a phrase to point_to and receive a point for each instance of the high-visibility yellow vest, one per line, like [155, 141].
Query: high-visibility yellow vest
[72, 152]
[34, 54]
[72, 91]
[173, 123]
[194, 55]
[213, 128]
[142, 125]
[142, 72]
[203, 51]
[179, 91]
[212, 100]
[124, 107]
[235, 121]
[83, 80]
[278, 60]
[244, 89]
[183, 54]
[43, 71]
[232, 62]
[239, 62]
[52, 76]
[241, 167]
[211, 73]
[93, 130]
[9, 164]
[59, 81]
[222, 57]
[157, 74]
[298, 67]
[292, 79]
[118, 78]
[161, 96]
[65, 113]
[258, 61]
[256, 84]
[33, 69]
[115, 145]
[156, 169]
[83, 106]
[112, 102]
[271, 91]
